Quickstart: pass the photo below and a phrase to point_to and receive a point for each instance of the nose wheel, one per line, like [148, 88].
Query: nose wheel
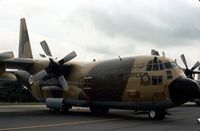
[157, 114]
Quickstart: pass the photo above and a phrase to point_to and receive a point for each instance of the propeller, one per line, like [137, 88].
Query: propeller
[189, 72]
[54, 68]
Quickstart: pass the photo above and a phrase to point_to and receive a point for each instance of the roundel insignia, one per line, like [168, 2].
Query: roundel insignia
[145, 79]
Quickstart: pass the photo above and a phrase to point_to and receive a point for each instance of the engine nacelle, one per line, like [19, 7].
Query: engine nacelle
[55, 103]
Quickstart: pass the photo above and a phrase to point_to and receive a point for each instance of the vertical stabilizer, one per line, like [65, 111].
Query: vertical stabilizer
[24, 43]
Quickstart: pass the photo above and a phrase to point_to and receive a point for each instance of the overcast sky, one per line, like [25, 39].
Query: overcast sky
[104, 29]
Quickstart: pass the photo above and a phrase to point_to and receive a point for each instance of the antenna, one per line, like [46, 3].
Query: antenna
[120, 58]
[163, 54]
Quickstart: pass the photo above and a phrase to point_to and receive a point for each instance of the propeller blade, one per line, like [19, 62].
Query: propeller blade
[184, 60]
[68, 57]
[46, 49]
[197, 64]
[196, 72]
[63, 83]
[39, 75]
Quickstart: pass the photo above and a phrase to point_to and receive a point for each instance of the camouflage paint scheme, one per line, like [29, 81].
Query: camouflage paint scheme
[124, 83]
[112, 81]
[7, 79]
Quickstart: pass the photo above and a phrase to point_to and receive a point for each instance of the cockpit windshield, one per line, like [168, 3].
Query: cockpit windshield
[170, 65]
[154, 65]
[158, 65]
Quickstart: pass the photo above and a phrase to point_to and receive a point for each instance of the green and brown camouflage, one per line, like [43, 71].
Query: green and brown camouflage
[117, 80]
[7, 79]
[24, 42]
[149, 83]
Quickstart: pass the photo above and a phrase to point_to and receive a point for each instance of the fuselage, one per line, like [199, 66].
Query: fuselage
[130, 83]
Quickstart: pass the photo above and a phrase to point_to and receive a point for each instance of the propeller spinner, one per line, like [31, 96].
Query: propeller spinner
[189, 72]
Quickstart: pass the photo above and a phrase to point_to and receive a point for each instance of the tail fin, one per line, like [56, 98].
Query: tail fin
[24, 42]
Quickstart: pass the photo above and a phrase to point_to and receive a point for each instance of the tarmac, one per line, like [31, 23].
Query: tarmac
[39, 118]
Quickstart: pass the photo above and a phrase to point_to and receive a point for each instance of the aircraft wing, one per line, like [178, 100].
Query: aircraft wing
[17, 63]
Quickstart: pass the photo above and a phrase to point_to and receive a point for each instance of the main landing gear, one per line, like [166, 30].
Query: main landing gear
[65, 109]
[99, 110]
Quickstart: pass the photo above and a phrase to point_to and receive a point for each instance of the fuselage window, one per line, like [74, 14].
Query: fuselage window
[157, 80]
[169, 77]
[160, 80]
[168, 66]
[168, 72]
[154, 80]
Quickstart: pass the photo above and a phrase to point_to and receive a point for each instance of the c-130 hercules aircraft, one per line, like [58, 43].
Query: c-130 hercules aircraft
[147, 83]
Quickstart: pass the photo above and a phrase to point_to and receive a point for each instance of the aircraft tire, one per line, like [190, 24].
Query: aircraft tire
[54, 111]
[157, 114]
[197, 102]
[65, 109]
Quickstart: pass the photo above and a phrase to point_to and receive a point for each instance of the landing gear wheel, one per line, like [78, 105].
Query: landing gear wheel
[65, 109]
[104, 111]
[54, 111]
[157, 114]
[197, 102]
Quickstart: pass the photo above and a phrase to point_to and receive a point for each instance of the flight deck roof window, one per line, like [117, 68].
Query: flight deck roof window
[154, 65]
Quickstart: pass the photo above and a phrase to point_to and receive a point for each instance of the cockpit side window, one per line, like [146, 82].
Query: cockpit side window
[168, 66]
[157, 80]
[174, 65]
[161, 66]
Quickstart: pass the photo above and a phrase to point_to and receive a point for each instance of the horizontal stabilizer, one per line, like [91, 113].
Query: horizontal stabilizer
[6, 55]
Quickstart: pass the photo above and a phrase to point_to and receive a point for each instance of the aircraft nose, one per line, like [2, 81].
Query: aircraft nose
[182, 90]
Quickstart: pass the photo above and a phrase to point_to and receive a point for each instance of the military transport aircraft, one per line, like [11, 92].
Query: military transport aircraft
[148, 83]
